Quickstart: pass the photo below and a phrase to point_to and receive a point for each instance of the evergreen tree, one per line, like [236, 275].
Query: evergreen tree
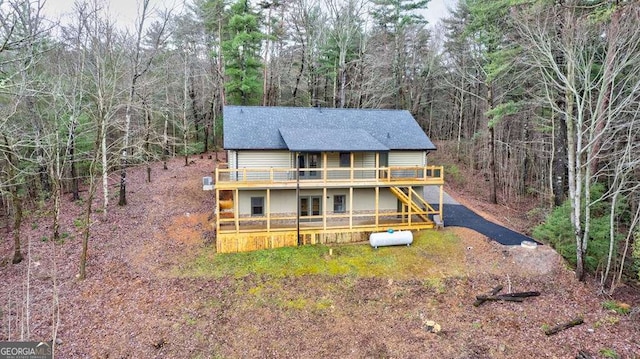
[241, 53]
[393, 17]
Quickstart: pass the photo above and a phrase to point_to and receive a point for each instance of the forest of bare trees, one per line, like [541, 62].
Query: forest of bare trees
[542, 98]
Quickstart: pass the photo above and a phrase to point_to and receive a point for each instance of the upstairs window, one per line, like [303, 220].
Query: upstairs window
[345, 159]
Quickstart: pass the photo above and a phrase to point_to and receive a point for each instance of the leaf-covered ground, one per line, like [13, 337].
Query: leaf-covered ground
[155, 289]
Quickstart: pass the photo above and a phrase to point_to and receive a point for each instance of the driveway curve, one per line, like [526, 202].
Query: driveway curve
[458, 215]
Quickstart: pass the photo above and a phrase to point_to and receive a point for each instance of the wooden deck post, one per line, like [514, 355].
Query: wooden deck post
[236, 210]
[410, 196]
[268, 210]
[324, 208]
[377, 175]
[217, 209]
[352, 160]
[324, 167]
[351, 205]
[441, 200]
[377, 205]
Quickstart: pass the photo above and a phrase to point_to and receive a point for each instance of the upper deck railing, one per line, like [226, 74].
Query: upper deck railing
[251, 177]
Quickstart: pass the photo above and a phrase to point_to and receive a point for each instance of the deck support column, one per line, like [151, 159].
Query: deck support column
[324, 167]
[377, 205]
[236, 209]
[217, 209]
[324, 208]
[441, 200]
[268, 210]
[352, 160]
[351, 207]
[410, 195]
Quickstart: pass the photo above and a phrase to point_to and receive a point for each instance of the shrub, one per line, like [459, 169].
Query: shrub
[452, 174]
[558, 232]
[618, 307]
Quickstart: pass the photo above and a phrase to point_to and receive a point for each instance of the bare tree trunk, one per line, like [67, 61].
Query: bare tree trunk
[88, 211]
[147, 137]
[559, 157]
[265, 68]
[185, 125]
[299, 77]
[75, 187]
[105, 165]
[16, 201]
[493, 196]
[575, 178]
[122, 201]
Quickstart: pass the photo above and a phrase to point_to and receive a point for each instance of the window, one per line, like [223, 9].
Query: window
[257, 206]
[307, 161]
[339, 203]
[345, 159]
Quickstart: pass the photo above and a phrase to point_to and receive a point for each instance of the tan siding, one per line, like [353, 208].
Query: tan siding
[265, 160]
[364, 199]
[406, 158]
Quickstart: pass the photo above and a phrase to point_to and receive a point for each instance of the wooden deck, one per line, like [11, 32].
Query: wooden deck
[357, 177]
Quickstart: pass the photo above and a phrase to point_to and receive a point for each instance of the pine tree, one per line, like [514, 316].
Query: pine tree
[242, 55]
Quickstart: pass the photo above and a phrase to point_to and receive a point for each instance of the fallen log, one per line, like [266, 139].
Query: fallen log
[521, 294]
[494, 291]
[561, 327]
[584, 355]
[505, 298]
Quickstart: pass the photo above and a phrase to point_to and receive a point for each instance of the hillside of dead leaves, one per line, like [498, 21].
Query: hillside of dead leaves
[134, 305]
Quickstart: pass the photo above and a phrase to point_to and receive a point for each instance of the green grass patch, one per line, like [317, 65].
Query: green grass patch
[618, 307]
[434, 254]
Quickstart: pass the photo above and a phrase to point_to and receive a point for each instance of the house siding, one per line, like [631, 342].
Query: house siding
[265, 160]
[407, 158]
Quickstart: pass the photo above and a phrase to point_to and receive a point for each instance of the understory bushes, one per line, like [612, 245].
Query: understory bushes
[558, 232]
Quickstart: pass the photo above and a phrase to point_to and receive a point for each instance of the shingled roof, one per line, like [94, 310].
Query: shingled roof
[321, 129]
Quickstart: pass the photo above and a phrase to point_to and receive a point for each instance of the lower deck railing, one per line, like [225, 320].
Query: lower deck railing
[343, 221]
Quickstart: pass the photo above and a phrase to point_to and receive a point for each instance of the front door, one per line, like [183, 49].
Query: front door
[310, 206]
[384, 162]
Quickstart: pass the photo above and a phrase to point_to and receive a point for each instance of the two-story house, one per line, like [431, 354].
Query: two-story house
[321, 175]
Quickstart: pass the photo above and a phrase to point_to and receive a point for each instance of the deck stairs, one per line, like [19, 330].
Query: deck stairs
[410, 198]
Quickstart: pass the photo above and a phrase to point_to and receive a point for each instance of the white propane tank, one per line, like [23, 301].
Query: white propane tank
[390, 238]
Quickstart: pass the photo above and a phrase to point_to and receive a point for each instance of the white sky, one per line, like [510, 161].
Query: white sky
[437, 9]
[125, 11]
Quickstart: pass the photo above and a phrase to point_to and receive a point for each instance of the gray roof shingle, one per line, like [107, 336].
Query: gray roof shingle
[259, 128]
[330, 139]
